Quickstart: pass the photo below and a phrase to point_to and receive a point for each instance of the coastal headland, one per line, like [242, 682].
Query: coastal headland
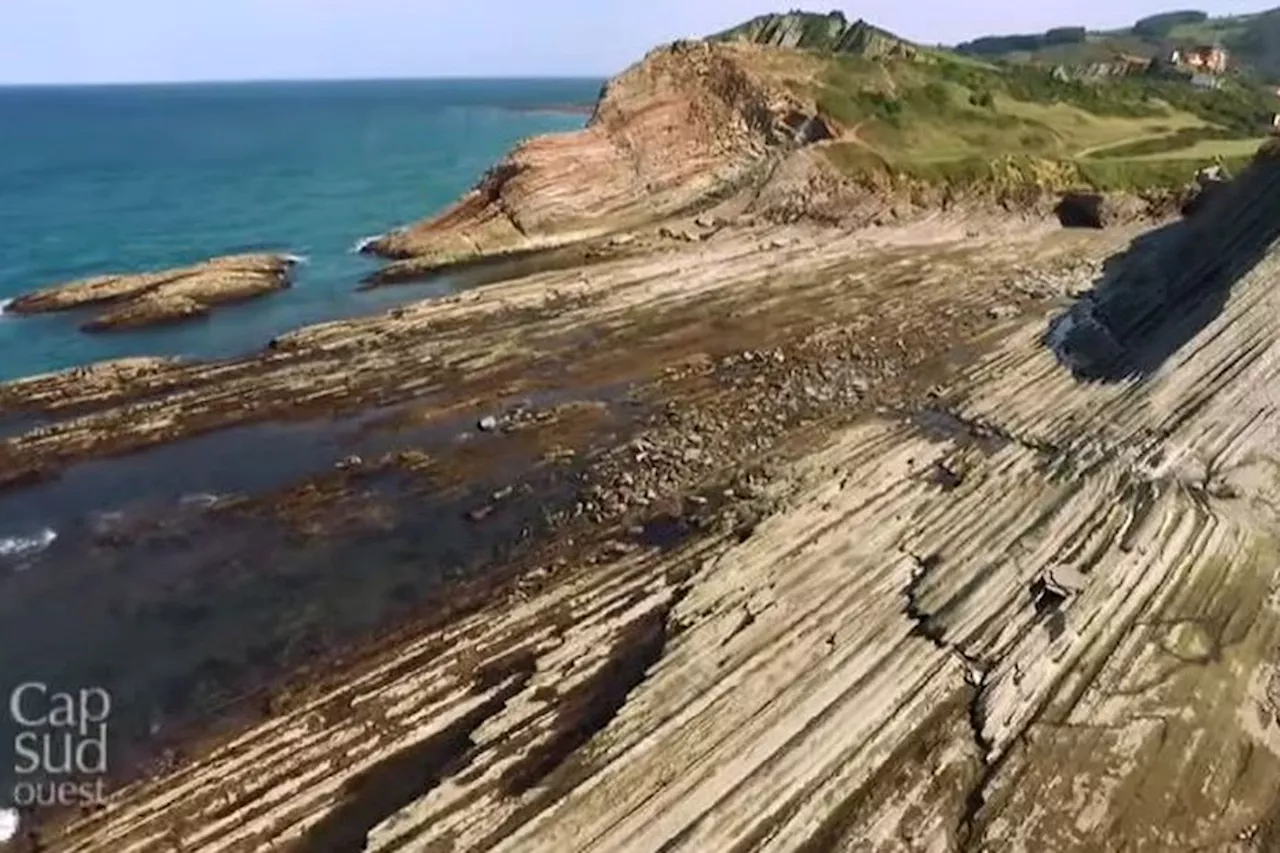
[789, 471]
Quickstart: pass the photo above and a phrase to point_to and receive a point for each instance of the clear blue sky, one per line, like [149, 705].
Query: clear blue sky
[65, 41]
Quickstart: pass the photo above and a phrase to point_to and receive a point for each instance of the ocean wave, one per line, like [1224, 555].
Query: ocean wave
[363, 243]
[27, 546]
[297, 260]
[4, 303]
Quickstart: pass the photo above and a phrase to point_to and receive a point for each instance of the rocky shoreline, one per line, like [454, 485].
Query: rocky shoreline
[693, 522]
[703, 384]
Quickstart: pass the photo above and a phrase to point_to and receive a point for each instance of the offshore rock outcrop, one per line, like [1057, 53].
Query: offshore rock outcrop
[673, 134]
[149, 299]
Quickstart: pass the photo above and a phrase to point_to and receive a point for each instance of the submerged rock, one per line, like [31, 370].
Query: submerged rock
[176, 295]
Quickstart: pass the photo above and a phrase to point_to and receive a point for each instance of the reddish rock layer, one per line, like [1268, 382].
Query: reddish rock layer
[688, 122]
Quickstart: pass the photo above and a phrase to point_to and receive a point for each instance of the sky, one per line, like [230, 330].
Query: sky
[106, 41]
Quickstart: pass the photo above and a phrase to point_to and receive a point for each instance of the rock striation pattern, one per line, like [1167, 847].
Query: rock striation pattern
[688, 125]
[149, 299]
[1041, 613]
[831, 32]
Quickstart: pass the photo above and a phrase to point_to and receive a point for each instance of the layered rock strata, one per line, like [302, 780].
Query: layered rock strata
[689, 124]
[148, 299]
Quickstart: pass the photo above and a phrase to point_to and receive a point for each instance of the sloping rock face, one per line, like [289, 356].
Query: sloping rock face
[831, 32]
[1041, 614]
[1187, 268]
[689, 122]
[148, 299]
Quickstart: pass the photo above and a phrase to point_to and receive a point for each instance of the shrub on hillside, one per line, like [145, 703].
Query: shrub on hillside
[1159, 26]
[1065, 35]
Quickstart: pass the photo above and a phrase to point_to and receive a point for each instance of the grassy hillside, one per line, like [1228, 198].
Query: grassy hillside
[934, 113]
[1253, 40]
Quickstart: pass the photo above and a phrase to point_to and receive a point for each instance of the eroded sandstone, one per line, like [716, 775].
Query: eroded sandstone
[689, 124]
[170, 296]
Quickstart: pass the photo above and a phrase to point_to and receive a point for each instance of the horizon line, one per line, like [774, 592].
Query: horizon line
[232, 81]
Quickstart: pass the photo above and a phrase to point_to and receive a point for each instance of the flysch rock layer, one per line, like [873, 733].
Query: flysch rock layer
[689, 123]
[1069, 642]
[148, 299]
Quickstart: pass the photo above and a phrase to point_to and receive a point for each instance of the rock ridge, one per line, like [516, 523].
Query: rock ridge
[169, 296]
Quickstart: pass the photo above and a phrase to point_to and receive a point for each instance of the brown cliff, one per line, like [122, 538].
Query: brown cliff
[689, 123]
[148, 299]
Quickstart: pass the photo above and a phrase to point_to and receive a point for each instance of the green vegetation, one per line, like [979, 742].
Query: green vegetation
[1170, 143]
[1252, 40]
[999, 45]
[1160, 26]
[967, 124]
[934, 117]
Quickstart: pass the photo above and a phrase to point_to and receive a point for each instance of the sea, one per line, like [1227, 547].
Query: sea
[110, 179]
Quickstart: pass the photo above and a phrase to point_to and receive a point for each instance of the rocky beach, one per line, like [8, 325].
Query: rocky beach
[729, 503]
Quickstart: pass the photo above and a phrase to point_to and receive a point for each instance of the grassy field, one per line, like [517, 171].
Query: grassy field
[1210, 148]
[951, 120]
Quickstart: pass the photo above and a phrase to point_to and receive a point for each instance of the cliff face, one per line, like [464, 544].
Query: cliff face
[689, 122]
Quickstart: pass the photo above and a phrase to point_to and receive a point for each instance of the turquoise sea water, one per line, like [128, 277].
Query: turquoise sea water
[120, 179]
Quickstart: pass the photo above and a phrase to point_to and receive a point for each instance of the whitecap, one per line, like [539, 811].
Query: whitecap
[27, 546]
[365, 242]
[4, 304]
[103, 523]
[297, 260]
[203, 500]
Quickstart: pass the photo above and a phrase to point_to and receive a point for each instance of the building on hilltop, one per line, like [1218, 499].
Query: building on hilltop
[1210, 59]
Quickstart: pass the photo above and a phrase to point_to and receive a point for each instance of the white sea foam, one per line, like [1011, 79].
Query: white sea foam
[4, 303]
[204, 500]
[10, 821]
[27, 546]
[297, 260]
[364, 243]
